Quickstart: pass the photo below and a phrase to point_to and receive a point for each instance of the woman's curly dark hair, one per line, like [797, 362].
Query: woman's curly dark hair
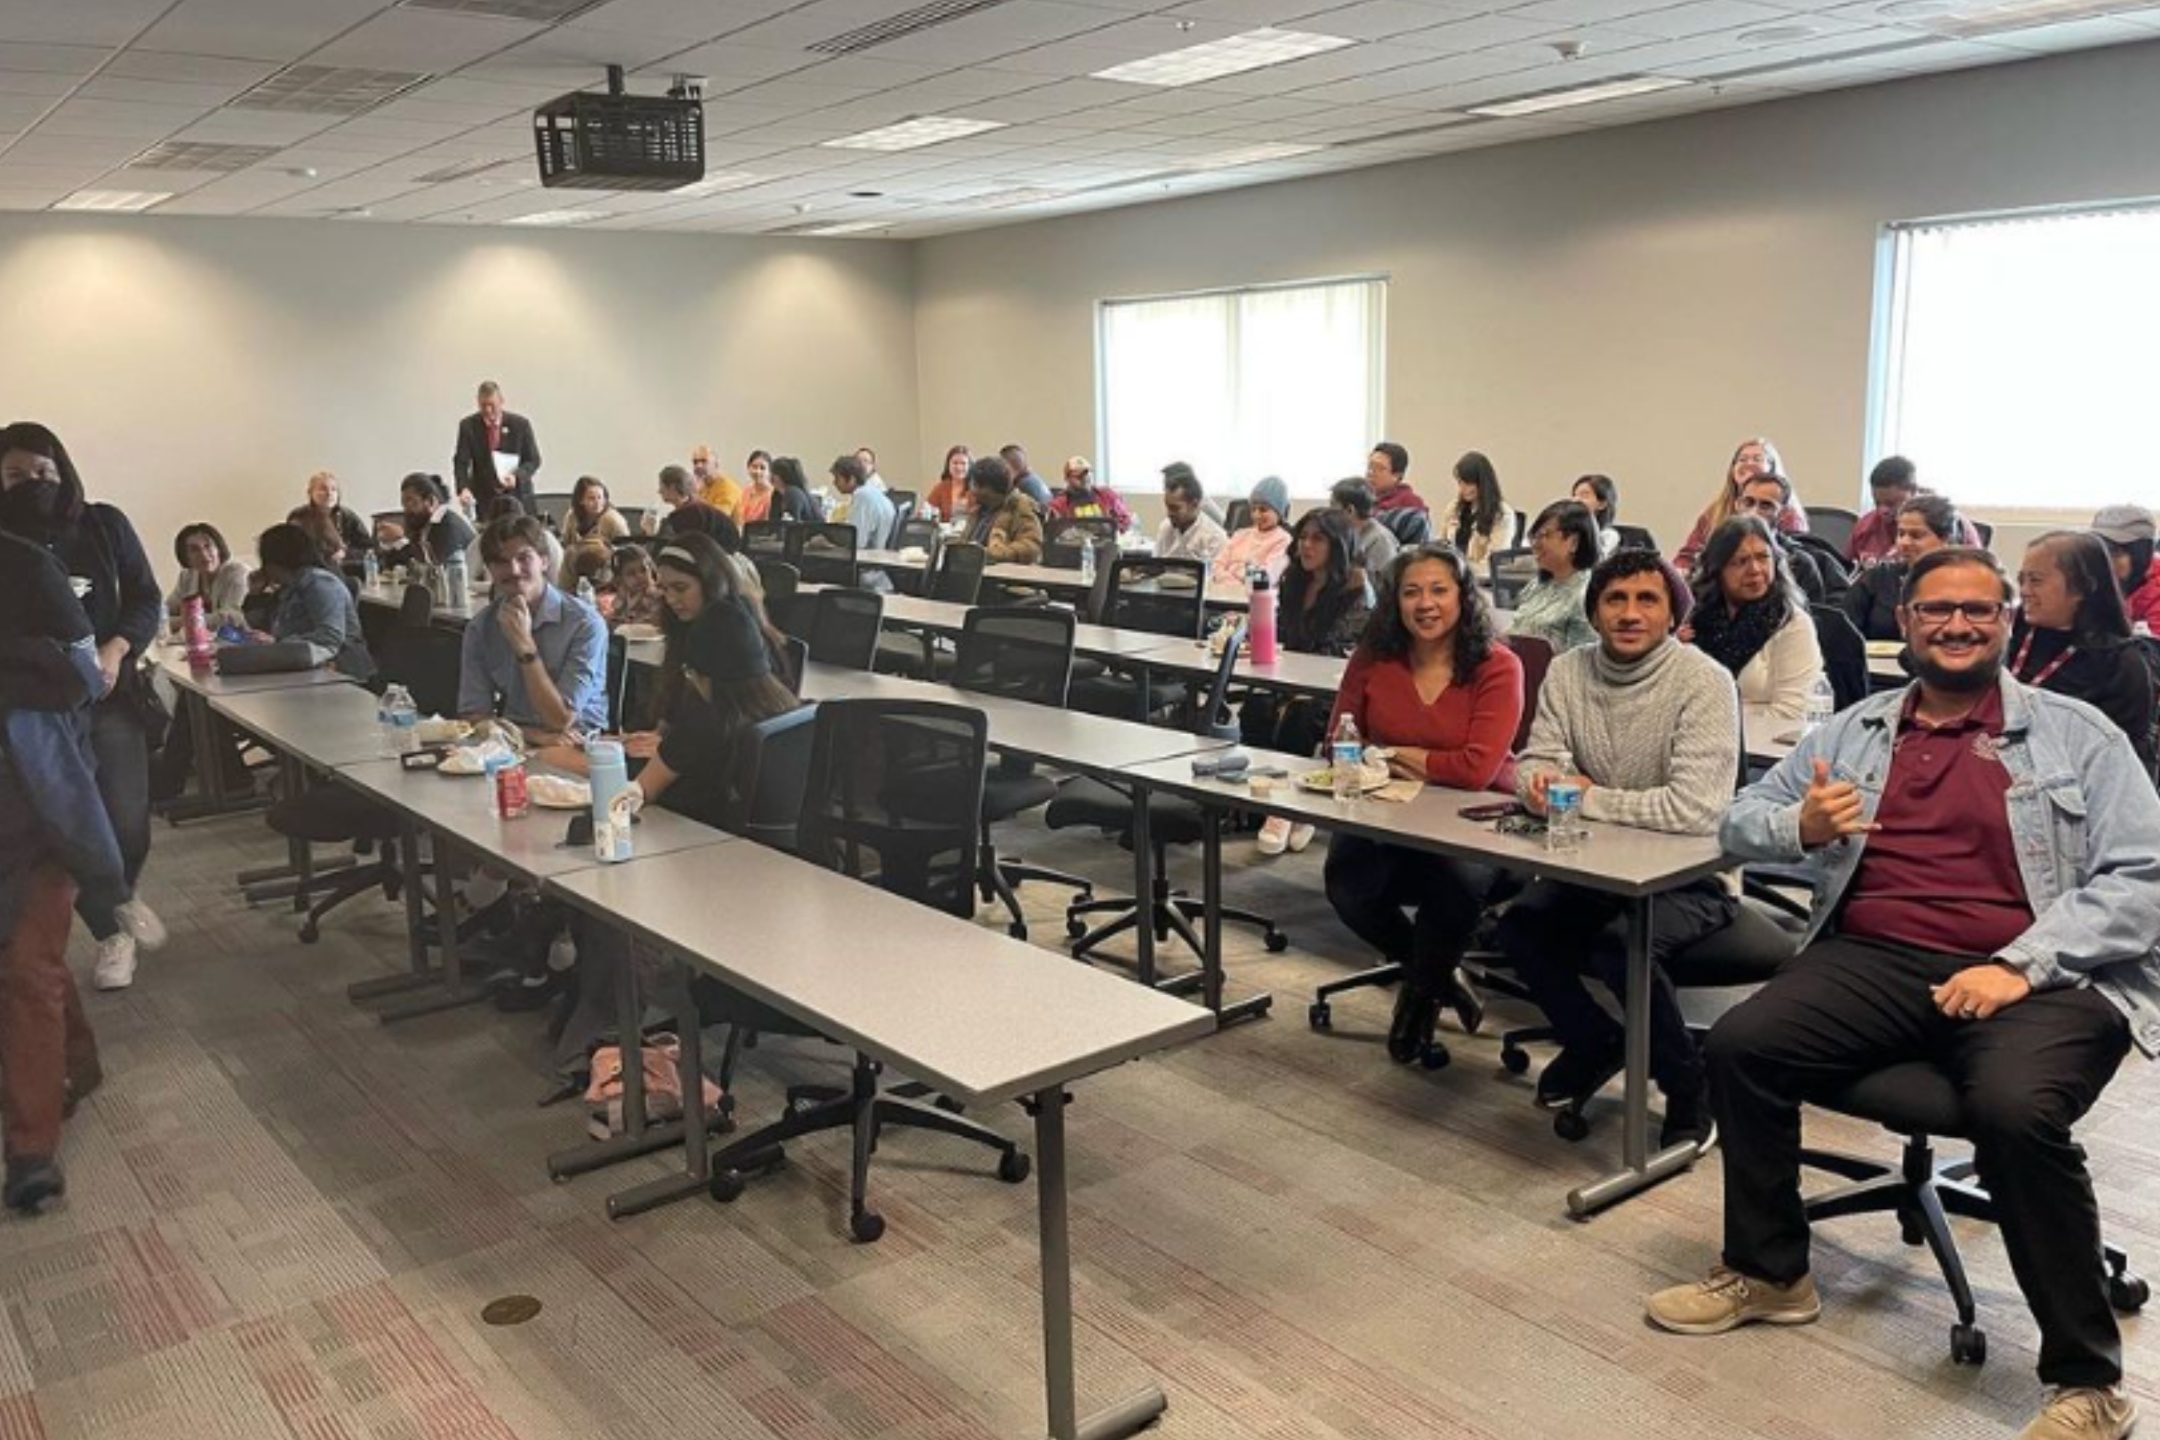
[1387, 638]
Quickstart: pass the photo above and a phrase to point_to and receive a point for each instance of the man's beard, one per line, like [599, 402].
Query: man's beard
[1960, 682]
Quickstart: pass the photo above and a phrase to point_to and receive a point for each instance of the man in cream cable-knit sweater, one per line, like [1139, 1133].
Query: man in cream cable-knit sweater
[1650, 728]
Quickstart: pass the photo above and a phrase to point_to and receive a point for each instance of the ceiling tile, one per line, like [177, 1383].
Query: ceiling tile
[75, 61]
[200, 95]
[254, 30]
[107, 22]
[427, 41]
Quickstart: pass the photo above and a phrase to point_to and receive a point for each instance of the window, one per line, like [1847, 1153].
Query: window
[1272, 380]
[2018, 363]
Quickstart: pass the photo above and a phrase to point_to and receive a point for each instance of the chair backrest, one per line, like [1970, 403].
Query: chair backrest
[903, 509]
[1985, 531]
[795, 659]
[958, 573]
[762, 538]
[385, 517]
[772, 765]
[1511, 572]
[779, 580]
[1237, 515]
[633, 516]
[894, 797]
[1521, 524]
[918, 534]
[1635, 537]
[1828, 558]
[824, 552]
[418, 606]
[552, 505]
[1844, 653]
[844, 627]
[1023, 654]
[1410, 527]
[1213, 716]
[1137, 601]
[618, 682]
[425, 659]
[1833, 524]
[1536, 657]
[1064, 536]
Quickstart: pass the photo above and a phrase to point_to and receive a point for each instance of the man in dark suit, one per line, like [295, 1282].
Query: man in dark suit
[482, 436]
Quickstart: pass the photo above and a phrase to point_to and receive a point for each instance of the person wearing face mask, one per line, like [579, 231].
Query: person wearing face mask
[42, 501]
[326, 511]
[2073, 637]
[433, 530]
[1752, 618]
[1432, 682]
[1750, 459]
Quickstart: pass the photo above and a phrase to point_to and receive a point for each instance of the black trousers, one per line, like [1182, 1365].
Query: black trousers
[1554, 933]
[123, 777]
[1369, 884]
[1846, 1007]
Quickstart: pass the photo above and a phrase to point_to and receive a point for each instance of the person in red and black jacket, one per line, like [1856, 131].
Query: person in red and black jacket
[1431, 682]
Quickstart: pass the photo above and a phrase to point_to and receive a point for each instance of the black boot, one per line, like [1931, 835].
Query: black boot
[33, 1181]
[1410, 1033]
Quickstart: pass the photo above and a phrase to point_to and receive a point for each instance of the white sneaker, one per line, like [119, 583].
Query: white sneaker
[1300, 836]
[1274, 835]
[115, 968]
[140, 921]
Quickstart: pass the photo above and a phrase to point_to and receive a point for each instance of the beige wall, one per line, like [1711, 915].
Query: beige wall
[1631, 301]
[201, 369]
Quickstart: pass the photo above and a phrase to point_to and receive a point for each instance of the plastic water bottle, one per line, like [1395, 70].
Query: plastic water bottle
[586, 593]
[1348, 752]
[404, 722]
[370, 569]
[1261, 627]
[1087, 562]
[459, 585]
[609, 774]
[385, 727]
[1821, 704]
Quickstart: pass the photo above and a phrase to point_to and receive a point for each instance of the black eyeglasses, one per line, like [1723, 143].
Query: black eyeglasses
[1936, 613]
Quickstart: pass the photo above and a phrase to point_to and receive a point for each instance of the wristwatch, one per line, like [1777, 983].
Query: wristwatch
[528, 657]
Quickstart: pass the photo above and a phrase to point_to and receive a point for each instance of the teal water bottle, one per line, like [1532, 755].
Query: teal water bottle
[610, 776]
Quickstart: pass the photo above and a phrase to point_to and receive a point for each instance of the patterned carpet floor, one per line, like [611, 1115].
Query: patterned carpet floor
[285, 1219]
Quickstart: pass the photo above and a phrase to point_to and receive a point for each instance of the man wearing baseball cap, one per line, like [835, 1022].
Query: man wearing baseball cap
[2128, 530]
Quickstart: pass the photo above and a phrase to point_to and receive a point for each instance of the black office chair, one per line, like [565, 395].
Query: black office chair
[765, 539]
[1171, 821]
[426, 660]
[779, 580]
[919, 533]
[772, 769]
[955, 576]
[1136, 600]
[794, 661]
[1832, 524]
[1237, 515]
[551, 506]
[824, 552]
[1510, 572]
[903, 505]
[618, 683]
[1985, 531]
[1916, 1100]
[1065, 536]
[332, 815]
[893, 797]
[1844, 653]
[1021, 655]
[1409, 527]
[1635, 537]
[417, 607]
[844, 627]
[1536, 657]
[633, 516]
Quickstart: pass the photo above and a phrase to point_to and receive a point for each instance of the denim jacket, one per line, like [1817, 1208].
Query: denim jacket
[2083, 815]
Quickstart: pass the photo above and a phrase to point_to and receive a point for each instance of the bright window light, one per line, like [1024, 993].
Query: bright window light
[714, 184]
[914, 134]
[113, 200]
[1278, 380]
[1619, 89]
[847, 227]
[1233, 55]
[2017, 367]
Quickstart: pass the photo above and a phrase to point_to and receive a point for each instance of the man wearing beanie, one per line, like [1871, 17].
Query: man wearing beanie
[2128, 531]
[1265, 543]
[1649, 728]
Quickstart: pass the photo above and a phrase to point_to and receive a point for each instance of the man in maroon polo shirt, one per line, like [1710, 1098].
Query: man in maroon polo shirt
[1387, 470]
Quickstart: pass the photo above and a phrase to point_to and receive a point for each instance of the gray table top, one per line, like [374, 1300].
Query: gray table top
[1765, 732]
[463, 807]
[948, 617]
[1617, 859]
[326, 726]
[392, 597]
[1094, 744]
[172, 663]
[977, 1015]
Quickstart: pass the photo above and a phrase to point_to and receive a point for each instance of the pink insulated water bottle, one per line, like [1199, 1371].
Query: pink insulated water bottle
[200, 652]
[1260, 630]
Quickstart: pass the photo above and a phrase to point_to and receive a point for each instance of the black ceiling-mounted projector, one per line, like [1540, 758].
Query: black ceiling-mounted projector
[619, 141]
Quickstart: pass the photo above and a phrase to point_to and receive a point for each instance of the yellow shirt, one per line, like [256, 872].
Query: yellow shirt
[723, 494]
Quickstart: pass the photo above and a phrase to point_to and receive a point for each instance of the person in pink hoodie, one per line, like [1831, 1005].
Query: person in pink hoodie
[1264, 543]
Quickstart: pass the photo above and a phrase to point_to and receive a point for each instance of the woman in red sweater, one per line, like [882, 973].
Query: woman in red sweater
[1430, 682]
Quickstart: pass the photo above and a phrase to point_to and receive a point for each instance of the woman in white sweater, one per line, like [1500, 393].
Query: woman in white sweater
[208, 569]
[1480, 521]
[1752, 618]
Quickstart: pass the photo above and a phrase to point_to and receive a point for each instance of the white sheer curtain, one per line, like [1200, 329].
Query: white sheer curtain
[2022, 365]
[1276, 381]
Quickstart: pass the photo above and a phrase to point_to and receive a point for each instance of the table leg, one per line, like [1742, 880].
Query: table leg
[1252, 1007]
[455, 993]
[1143, 859]
[420, 974]
[1132, 1415]
[1641, 1169]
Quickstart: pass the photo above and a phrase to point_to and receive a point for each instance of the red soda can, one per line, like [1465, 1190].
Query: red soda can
[512, 801]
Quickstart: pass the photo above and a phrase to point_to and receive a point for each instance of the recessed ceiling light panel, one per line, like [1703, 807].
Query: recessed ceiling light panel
[1775, 35]
[561, 217]
[1538, 104]
[914, 134]
[114, 201]
[1232, 55]
[1251, 155]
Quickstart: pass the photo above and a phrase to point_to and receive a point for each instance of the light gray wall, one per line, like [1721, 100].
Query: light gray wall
[1633, 301]
[202, 369]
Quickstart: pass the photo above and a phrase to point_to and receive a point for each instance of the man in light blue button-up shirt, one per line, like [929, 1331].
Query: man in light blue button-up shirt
[535, 656]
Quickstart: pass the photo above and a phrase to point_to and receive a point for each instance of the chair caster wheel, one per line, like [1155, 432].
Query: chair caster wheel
[1968, 1345]
[1014, 1166]
[1276, 942]
[1074, 929]
[309, 934]
[1570, 1126]
[1434, 1056]
[1320, 1016]
[1515, 1061]
[726, 1186]
[2128, 1293]
[866, 1226]
[1016, 930]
